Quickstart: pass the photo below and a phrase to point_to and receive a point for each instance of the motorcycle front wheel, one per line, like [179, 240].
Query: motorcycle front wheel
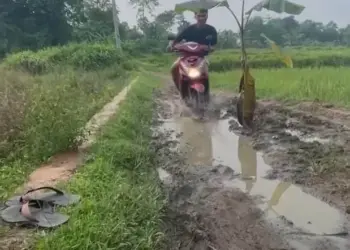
[197, 101]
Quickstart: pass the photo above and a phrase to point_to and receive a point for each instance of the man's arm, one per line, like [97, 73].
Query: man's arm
[182, 35]
[214, 40]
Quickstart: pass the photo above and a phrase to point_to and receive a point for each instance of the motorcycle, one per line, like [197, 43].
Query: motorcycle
[193, 80]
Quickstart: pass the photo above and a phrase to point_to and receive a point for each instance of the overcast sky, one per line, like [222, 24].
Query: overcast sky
[318, 10]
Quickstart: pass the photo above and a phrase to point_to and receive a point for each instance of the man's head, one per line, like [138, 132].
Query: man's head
[201, 16]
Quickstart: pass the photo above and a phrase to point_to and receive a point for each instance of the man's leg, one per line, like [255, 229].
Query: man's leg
[207, 84]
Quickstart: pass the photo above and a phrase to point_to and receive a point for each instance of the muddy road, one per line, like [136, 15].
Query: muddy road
[284, 186]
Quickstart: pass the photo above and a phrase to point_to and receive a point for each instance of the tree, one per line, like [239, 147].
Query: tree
[181, 22]
[253, 30]
[166, 19]
[144, 6]
[330, 33]
[95, 22]
[33, 24]
[345, 35]
[227, 39]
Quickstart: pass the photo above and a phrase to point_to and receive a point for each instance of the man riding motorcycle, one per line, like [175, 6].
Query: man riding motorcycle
[199, 33]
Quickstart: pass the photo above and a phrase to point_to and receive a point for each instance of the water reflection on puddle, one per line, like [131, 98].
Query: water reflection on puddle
[211, 143]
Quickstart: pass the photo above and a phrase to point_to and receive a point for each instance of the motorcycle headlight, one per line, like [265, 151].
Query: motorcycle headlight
[194, 73]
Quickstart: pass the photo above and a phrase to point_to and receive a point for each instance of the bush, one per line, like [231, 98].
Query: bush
[46, 99]
[29, 61]
[142, 47]
[79, 56]
[42, 115]
[92, 56]
[14, 98]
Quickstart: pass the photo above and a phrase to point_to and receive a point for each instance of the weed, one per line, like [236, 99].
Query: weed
[121, 201]
[43, 115]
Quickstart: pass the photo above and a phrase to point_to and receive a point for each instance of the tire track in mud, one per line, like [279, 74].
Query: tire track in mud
[208, 204]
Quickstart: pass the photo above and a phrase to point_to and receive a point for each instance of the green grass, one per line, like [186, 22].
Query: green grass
[323, 84]
[45, 110]
[303, 57]
[87, 56]
[121, 201]
[42, 115]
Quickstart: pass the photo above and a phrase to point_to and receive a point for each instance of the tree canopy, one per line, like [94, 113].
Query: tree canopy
[35, 24]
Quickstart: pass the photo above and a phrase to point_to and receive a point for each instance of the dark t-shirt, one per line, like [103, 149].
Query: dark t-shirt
[193, 33]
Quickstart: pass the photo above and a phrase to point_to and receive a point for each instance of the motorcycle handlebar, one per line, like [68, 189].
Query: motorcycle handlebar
[206, 48]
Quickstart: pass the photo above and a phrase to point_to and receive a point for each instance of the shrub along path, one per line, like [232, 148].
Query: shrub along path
[121, 201]
[119, 181]
[43, 115]
[46, 99]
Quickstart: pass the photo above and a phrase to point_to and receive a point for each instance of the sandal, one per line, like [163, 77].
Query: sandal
[57, 197]
[34, 213]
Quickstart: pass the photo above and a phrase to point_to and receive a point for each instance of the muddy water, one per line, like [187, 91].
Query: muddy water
[286, 205]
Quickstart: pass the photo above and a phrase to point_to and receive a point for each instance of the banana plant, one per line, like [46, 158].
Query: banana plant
[278, 6]
[247, 100]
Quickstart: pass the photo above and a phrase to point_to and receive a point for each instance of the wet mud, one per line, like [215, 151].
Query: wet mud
[307, 144]
[229, 189]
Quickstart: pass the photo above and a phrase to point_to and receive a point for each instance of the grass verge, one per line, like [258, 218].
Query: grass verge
[121, 201]
[43, 115]
[86, 56]
[323, 84]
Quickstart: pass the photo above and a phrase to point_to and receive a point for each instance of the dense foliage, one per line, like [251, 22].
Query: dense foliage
[36, 24]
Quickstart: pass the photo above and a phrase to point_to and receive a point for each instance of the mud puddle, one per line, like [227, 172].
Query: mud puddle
[305, 221]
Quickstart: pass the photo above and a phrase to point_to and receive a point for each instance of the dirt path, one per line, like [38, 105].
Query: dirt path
[219, 197]
[60, 168]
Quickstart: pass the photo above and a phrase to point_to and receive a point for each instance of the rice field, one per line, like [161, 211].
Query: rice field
[323, 74]
[324, 84]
